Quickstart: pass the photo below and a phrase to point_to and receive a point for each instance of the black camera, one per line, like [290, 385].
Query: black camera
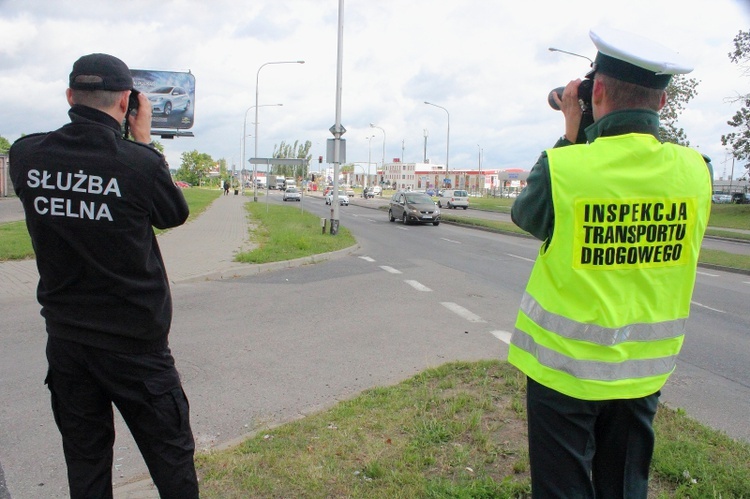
[584, 95]
[132, 106]
[133, 101]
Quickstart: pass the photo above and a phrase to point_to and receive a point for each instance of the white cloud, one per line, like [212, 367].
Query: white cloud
[486, 61]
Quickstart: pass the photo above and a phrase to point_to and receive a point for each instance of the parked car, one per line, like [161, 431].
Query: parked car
[166, 99]
[292, 194]
[453, 198]
[721, 198]
[415, 207]
[343, 198]
[182, 184]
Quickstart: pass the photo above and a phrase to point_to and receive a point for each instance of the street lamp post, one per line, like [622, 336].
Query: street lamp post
[257, 78]
[448, 138]
[369, 158]
[382, 165]
[244, 136]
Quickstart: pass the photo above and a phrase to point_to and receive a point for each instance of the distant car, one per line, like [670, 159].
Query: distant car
[164, 100]
[453, 198]
[415, 207]
[182, 185]
[350, 192]
[721, 198]
[377, 190]
[343, 198]
[292, 194]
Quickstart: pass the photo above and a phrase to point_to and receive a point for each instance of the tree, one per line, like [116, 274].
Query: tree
[194, 167]
[679, 92]
[739, 141]
[4, 145]
[295, 151]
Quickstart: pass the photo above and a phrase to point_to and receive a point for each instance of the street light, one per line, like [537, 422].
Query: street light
[257, 78]
[369, 158]
[382, 165]
[244, 136]
[448, 139]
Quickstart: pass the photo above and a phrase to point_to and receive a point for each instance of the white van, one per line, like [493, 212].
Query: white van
[453, 198]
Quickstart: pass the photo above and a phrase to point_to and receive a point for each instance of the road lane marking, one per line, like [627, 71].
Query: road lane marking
[450, 240]
[417, 285]
[462, 312]
[707, 274]
[520, 257]
[390, 269]
[503, 336]
[367, 259]
[707, 307]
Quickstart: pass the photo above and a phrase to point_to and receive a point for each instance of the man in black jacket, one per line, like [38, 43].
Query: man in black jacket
[91, 199]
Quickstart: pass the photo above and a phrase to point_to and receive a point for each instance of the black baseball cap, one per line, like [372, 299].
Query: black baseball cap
[100, 72]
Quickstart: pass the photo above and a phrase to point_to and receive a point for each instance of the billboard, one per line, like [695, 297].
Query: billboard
[172, 96]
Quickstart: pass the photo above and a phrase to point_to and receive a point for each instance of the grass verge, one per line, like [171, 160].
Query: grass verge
[282, 232]
[458, 431]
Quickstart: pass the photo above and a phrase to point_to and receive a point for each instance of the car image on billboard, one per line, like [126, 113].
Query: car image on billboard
[172, 97]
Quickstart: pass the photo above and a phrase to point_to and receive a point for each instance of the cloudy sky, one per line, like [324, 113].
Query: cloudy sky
[485, 61]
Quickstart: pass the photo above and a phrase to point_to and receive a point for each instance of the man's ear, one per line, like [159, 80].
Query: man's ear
[663, 100]
[122, 104]
[597, 93]
[69, 96]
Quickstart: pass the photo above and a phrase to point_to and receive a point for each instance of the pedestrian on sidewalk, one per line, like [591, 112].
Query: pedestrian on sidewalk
[603, 316]
[91, 198]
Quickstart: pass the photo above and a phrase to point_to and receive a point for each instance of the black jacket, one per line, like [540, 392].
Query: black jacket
[91, 199]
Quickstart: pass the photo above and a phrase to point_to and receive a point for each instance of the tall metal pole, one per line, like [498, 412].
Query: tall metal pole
[337, 130]
[244, 137]
[369, 158]
[257, 79]
[382, 164]
[448, 138]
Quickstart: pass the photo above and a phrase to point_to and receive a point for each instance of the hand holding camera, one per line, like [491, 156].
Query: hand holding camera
[574, 100]
[138, 118]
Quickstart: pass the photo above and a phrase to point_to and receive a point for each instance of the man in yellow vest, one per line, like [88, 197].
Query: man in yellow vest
[602, 319]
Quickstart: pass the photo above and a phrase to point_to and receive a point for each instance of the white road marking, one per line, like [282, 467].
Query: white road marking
[390, 269]
[503, 336]
[707, 307]
[367, 259]
[450, 240]
[417, 285]
[462, 312]
[707, 274]
[520, 257]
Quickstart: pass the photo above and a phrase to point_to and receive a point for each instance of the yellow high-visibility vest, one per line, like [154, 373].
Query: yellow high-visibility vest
[604, 310]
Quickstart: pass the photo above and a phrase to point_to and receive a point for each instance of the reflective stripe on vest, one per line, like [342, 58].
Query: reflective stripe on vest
[592, 333]
[592, 369]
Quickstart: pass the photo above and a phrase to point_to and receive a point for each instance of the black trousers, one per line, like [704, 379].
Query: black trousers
[84, 382]
[589, 449]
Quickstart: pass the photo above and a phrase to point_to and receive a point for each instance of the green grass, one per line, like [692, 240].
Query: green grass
[733, 216]
[286, 232]
[456, 431]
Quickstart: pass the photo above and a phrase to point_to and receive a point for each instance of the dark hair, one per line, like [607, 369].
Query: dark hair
[624, 95]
